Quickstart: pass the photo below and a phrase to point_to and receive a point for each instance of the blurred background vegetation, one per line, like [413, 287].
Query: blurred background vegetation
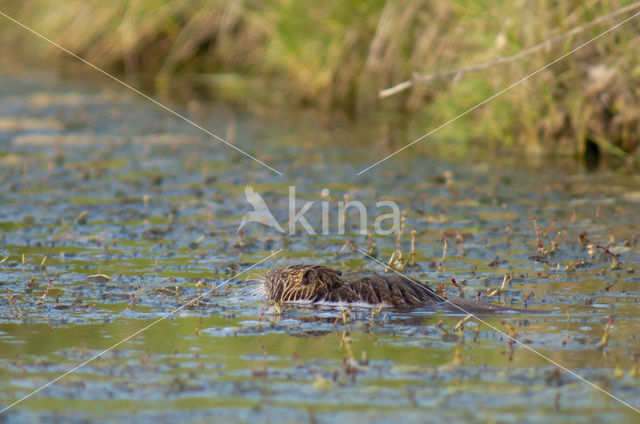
[338, 55]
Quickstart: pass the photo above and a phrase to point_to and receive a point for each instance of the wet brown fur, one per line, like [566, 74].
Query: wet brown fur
[317, 283]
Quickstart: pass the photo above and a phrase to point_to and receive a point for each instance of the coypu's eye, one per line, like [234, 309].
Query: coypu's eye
[284, 275]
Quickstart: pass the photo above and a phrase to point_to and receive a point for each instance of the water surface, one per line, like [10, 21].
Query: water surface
[125, 210]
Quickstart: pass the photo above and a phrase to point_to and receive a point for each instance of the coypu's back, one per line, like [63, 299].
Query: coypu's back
[395, 290]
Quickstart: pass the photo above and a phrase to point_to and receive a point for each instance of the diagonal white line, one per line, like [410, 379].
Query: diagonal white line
[151, 99]
[498, 94]
[573, 373]
[137, 332]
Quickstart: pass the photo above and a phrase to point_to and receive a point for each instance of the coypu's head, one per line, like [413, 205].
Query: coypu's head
[301, 282]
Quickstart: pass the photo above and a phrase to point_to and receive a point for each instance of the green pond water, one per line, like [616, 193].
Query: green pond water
[125, 210]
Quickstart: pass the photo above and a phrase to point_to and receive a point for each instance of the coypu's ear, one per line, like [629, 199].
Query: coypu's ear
[309, 277]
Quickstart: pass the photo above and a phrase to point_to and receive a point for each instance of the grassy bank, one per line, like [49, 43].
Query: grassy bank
[341, 53]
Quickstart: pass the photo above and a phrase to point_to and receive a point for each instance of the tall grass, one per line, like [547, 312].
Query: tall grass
[340, 53]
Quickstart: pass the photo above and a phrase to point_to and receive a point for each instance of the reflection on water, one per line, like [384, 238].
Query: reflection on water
[124, 210]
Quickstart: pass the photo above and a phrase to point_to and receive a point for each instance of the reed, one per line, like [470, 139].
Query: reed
[339, 54]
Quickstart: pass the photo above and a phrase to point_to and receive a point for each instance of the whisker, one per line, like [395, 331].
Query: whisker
[258, 290]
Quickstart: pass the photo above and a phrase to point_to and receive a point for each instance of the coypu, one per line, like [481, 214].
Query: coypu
[317, 283]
